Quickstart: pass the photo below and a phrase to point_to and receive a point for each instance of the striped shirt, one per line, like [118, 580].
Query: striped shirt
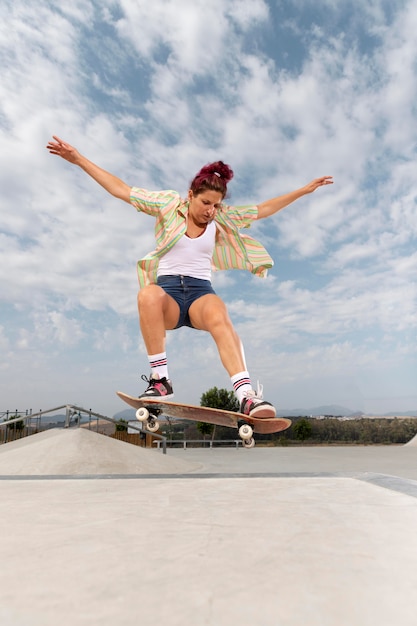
[232, 250]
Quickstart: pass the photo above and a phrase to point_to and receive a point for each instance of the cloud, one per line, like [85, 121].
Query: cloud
[153, 91]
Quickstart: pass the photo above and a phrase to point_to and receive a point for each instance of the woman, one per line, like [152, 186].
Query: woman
[193, 236]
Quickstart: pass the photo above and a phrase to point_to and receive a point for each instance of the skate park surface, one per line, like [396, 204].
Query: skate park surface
[98, 531]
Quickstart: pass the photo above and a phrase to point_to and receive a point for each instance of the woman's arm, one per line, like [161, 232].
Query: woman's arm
[270, 207]
[111, 183]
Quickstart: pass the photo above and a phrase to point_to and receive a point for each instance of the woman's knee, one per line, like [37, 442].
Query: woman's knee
[220, 318]
[155, 304]
[213, 315]
[151, 295]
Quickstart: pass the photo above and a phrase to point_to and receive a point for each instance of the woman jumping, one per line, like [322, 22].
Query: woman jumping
[193, 236]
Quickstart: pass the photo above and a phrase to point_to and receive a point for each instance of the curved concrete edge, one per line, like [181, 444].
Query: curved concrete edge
[79, 451]
[385, 481]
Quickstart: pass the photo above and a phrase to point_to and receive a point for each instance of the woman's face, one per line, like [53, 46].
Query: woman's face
[203, 207]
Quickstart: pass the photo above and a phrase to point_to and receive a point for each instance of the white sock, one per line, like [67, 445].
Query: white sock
[241, 384]
[158, 363]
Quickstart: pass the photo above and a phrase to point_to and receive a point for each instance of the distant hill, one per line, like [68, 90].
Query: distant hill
[328, 409]
[401, 414]
[127, 415]
[336, 410]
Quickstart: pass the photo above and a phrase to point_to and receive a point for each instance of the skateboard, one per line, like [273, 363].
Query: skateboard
[149, 409]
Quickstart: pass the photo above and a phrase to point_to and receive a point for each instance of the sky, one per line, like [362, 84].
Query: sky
[282, 91]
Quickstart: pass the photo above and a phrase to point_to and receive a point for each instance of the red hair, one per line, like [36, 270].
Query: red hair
[213, 177]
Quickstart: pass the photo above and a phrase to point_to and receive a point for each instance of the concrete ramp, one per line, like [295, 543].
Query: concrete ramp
[412, 442]
[82, 452]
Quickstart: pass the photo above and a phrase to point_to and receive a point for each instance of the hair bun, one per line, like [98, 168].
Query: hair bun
[214, 176]
[220, 169]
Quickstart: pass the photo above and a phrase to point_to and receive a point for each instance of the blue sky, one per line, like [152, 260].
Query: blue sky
[152, 91]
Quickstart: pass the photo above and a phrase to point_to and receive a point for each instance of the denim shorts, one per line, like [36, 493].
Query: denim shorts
[185, 290]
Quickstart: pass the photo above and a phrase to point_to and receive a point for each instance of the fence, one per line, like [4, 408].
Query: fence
[200, 443]
[29, 424]
[143, 439]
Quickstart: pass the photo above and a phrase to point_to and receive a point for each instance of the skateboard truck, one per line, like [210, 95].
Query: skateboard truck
[144, 415]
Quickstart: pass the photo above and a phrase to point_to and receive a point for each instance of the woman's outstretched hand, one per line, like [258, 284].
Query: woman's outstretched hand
[64, 150]
[318, 182]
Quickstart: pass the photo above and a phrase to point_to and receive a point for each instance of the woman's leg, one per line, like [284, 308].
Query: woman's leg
[158, 312]
[210, 313]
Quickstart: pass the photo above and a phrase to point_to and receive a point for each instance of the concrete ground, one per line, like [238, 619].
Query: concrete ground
[95, 531]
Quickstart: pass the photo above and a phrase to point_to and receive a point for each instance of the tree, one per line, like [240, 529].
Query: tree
[205, 429]
[121, 426]
[302, 429]
[220, 399]
[217, 399]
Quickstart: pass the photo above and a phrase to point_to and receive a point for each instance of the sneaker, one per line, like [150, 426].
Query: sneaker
[157, 387]
[253, 405]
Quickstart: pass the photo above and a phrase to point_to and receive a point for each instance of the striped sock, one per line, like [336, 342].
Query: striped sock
[241, 384]
[158, 363]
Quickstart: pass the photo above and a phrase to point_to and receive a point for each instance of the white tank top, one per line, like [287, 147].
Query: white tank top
[190, 257]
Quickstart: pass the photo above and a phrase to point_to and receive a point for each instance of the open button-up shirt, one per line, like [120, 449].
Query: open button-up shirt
[232, 250]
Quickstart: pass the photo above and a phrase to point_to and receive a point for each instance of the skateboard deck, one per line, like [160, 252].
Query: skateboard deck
[151, 408]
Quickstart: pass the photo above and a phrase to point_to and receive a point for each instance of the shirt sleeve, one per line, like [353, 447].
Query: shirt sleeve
[151, 202]
[241, 216]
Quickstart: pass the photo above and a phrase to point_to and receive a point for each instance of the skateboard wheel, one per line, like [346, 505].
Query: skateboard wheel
[248, 443]
[142, 414]
[245, 432]
[152, 426]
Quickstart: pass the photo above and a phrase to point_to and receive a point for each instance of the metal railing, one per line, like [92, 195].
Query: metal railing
[203, 443]
[71, 411]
